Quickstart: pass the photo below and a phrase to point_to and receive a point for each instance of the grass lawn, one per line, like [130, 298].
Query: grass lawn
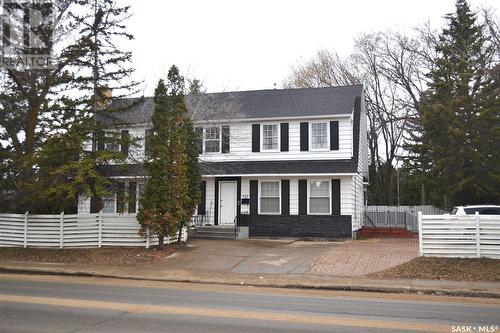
[104, 256]
[460, 269]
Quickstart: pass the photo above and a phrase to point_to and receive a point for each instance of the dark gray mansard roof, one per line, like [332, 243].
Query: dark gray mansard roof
[246, 104]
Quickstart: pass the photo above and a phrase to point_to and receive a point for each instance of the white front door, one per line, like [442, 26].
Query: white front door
[227, 202]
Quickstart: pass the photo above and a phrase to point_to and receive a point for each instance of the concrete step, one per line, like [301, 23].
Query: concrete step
[215, 232]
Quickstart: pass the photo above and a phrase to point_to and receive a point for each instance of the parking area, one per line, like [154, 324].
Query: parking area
[348, 258]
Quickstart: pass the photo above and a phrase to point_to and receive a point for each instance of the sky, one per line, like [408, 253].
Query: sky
[247, 45]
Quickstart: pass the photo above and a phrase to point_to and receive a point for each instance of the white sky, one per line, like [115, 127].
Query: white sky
[246, 45]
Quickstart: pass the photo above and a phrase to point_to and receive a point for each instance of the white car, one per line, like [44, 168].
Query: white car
[472, 209]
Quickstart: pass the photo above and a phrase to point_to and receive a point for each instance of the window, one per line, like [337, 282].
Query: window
[212, 140]
[109, 204]
[319, 136]
[270, 197]
[270, 137]
[319, 197]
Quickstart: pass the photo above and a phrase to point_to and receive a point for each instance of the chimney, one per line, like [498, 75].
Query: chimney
[104, 96]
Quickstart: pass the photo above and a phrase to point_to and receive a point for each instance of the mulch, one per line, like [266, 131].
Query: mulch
[459, 269]
[115, 256]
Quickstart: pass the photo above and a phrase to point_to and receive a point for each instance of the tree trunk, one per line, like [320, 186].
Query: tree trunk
[179, 234]
[160, 242]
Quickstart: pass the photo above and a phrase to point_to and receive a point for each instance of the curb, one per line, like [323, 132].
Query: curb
[341, 287]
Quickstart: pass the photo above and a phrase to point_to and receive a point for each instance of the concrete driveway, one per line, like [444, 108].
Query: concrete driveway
[349, 258]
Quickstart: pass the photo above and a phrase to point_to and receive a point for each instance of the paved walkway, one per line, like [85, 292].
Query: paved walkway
[362, 257]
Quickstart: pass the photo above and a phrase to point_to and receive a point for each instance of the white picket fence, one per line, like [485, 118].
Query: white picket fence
[74, 231]
[472, 236]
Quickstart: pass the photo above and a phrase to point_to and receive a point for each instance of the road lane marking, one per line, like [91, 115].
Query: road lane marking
[230, 314]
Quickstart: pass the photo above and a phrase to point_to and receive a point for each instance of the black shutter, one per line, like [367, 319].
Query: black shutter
[199, 139]
[335, 196]
[255, 138]
[147, 141]
[124, 142]
[334, 135]
[100, 140]
[120, 197]
[302, 197]
[254, 197]
[203, 199]
[285, 197]
[304, 136]
[95, 204]
[132, 197]
[225, 139]
[284, 136]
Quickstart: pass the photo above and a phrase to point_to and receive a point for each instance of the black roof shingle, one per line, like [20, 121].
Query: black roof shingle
[252, 104]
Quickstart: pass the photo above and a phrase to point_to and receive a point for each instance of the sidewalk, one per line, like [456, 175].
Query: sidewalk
[286, 280]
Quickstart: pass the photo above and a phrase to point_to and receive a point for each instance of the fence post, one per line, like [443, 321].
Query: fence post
[26, 229]
[100, 228]
[420, 236]
[147, 239]
[61, 230]
[478, 235]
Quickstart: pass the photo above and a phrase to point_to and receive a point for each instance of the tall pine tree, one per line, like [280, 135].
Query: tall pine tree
[172, 188]
[461, 115]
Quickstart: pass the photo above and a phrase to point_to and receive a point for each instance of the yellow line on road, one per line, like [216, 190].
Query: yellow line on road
[231, 314]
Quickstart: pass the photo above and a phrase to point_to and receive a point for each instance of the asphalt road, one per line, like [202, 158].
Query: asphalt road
[31, 303]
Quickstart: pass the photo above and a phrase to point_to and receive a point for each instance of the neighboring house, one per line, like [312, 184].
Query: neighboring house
[289, 162]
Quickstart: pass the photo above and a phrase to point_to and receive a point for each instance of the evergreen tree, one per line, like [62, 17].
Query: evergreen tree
[460, 116]
[172, 190]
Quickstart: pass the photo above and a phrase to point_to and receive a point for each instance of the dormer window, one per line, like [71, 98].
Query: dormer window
[270, 135]
[212, 140]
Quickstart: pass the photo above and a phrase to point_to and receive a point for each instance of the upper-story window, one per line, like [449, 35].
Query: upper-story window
[270, 137]
[212, 140]
[319, 136]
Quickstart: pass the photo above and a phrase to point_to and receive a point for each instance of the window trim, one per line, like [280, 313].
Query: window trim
[327, 148]
[309, 182]
[278, 134]
[260, 191]
[220, 140]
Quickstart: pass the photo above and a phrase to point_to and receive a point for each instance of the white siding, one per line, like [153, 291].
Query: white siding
[241, 144]
[210, 199]
[83, 205]
[245, 193]
[294, 196]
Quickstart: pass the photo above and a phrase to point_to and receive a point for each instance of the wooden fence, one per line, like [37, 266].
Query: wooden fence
[471, 236]
[397, 216]
[74, 231]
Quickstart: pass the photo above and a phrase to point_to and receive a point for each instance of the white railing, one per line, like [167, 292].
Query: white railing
[74, 231]
[471, 236]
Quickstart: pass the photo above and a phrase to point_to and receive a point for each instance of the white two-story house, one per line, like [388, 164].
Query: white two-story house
[282, 162]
